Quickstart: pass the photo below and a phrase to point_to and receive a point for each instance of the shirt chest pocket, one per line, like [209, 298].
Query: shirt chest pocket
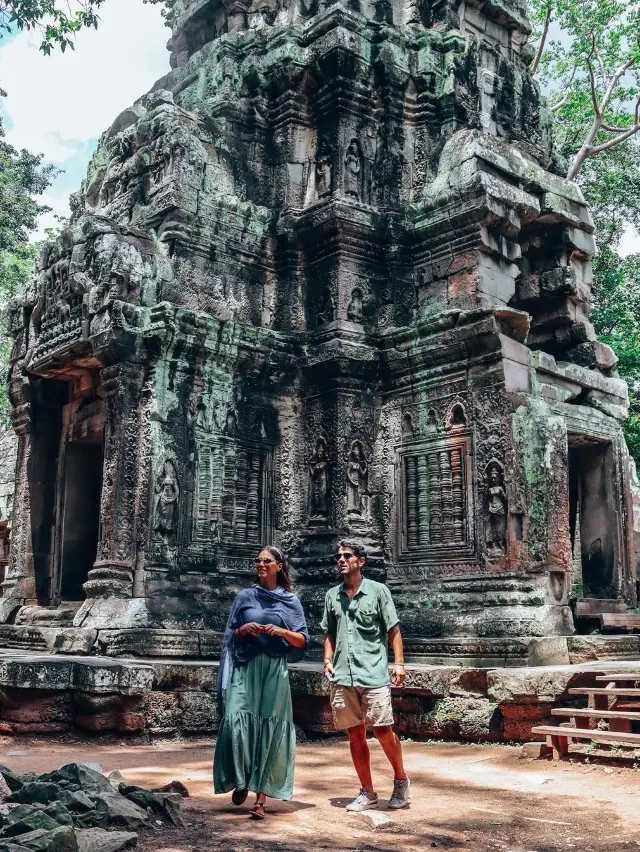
[367, 620]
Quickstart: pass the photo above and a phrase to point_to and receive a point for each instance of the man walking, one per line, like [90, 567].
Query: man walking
[359, 617]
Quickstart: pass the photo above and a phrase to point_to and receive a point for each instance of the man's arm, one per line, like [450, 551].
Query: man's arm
[395, 640]
[329, 651]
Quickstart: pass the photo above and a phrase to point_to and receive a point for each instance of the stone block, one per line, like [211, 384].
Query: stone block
[534, 751]
[549, 651]
[162, 712]
[592, 353]
[519, 719]
[149, 643]
[105, 676]
[103, 613]
[99, 840]
[61, 839]
[199, 712]
[185, 676]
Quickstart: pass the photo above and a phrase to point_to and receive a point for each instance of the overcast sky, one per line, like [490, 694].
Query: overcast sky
[59, 105]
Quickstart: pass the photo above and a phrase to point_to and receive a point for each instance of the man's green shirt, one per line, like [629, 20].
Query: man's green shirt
[360, 626]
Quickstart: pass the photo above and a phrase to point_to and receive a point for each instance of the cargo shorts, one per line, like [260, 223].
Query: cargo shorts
[360, 705]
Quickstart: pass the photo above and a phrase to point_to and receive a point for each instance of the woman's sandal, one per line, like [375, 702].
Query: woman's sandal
[239, 797]
[257, 811]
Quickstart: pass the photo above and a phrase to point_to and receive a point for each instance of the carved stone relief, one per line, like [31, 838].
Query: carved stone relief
[320, 484]
[167, 503]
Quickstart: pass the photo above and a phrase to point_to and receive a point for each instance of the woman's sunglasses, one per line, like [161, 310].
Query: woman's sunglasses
[264, 561]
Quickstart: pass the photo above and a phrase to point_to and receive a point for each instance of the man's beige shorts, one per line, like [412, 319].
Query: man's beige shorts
[360, 705]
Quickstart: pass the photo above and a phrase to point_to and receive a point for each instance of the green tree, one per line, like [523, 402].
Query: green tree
[591, 71]
[588, 62]
[23, 178]
[58, 21]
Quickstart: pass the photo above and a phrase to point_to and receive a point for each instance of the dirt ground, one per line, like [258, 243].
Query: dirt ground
[465, 797]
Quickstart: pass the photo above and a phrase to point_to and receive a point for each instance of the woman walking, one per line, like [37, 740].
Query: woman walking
[255, 748]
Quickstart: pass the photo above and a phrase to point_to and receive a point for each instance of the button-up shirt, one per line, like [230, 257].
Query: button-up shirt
[359, 626]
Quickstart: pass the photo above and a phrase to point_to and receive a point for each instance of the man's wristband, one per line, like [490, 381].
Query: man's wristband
[328, 660]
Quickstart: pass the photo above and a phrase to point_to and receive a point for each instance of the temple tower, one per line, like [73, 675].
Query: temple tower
[325, 279]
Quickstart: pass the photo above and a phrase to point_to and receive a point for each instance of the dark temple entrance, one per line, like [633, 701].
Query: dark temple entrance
[594, 520]
[79, 491]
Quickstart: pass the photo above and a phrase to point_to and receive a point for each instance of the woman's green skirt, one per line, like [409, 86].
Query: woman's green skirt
[256, 744]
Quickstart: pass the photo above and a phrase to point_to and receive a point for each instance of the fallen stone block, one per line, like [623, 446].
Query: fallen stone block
[26, 818]
[120, 812]
[78, 776]
[535, 750]
[171, 787]
[37, 793]
[98, 840]
[77, 802]
[376, 819]
[62, 839]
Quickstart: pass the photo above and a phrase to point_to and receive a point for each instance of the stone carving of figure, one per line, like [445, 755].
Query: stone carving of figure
[353, 170]
[319, 472]
[168, 492]
[231, 425]
[357, 474]
[354, 311]
[323, 171]
[328, 309]
[497, 506]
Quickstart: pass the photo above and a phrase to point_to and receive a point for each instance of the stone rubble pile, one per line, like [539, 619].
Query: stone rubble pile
[77, 809]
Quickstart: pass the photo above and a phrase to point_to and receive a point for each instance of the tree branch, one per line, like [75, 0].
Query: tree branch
[617, 140]
[592, 78]
[543, 39]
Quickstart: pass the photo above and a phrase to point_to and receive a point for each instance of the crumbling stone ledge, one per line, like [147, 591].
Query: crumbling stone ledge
[50, 694]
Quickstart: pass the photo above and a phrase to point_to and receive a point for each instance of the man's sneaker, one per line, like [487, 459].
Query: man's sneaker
[401, 796]
[363, 802]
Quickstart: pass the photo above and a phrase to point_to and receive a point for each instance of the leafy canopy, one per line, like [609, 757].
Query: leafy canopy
[588, 59]
[60, 20]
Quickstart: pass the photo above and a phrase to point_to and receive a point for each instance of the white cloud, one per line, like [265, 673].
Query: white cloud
[58, 104]
[630, 242]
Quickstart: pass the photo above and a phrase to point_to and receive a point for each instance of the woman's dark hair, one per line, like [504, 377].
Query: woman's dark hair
[284, 578]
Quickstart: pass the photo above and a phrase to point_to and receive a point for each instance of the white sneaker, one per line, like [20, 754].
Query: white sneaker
[363, 801]
[401, 796]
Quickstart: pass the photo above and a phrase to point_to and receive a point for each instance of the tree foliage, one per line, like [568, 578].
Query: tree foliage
[588, 61]
[588, 57]
[59, 21]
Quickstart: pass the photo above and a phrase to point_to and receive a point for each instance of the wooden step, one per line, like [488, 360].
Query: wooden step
[595, 714]
[588, 734]
[620, 621]
[595, 606]
[601, 690]
[621, 676]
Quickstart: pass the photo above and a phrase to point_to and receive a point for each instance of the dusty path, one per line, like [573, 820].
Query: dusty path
[466, 797]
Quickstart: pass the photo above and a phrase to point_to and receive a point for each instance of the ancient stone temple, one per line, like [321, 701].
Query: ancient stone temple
[325, 279]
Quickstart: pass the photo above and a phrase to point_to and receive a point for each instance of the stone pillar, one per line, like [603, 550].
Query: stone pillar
[112, 573]
[19, 579]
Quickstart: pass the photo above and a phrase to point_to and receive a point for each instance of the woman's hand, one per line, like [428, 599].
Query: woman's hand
[273, 630]
[250, 629]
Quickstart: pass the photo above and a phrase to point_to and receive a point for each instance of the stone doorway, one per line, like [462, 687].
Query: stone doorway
[594, 521]
[79, 494]
[80, 526]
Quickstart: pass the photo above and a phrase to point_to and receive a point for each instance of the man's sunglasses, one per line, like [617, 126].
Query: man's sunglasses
[340, 556]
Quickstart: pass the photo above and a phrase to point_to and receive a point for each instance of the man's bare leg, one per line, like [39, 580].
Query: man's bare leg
[360, 756]
[392, 747]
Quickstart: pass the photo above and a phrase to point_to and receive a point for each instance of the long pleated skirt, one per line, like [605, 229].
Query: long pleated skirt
[256, 743]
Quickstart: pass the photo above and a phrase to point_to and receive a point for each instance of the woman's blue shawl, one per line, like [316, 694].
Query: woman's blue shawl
[288, 609]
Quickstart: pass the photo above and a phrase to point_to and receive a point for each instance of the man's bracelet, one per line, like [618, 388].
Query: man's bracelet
[328, 660]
